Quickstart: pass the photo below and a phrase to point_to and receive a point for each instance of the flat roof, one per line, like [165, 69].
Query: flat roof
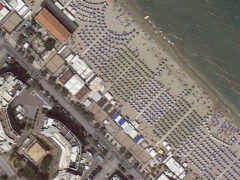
[36, 152]
[52, 25]
[11, 23]
[81, 93]
[63, 18]
[65, 77]
[55, 63]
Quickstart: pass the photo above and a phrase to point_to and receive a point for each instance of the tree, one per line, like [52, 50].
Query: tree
[49, 44]
[3, 33]
[29, 30]
[27, 172]
[95, 142]
[4, 177]
[78, 107]
[30, 59]
[127, 155]
[104, 152]
[43, 73]
[33, 22]
[46, 163]
[130, 176]
[51, 80]
[39, 35]
[57, 86]
[122, 150]
[136, 164]
[64, 91]
[93, 150]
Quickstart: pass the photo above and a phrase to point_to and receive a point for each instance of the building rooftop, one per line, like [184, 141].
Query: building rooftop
[11, 23]
[74, 84]
[36, 152]
[52, 25]
[81, 93]
[65, 77]
[55, 63]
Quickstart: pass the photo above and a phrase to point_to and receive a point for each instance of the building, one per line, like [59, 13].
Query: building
[3, 11]
[64, 78]
[66, 141]
[176, 168]
[12, 22]
[34, 149]
[79, 66]
[19, 6]
[163, 177]
[10, 87]
[74, 84]
[64, 174]
[52, 25]
[36, 152]
[54, 64]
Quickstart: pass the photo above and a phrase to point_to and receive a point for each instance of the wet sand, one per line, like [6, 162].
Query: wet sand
[147, 27]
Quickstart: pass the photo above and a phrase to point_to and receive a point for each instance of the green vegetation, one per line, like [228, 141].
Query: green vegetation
[30, 59]
[65, 118]
[29, 30]
[39, 35]
[4, 177]
[44, 167]
[49, 44]
[52, 80]
[122, 150]
[64, 92]
[45, 110]
[27, 172]
[127, 155]
[43, 73]
[33, 22]
[104, 152]
[93, 150]
[2, 33]
[58, 87]
[34, 84]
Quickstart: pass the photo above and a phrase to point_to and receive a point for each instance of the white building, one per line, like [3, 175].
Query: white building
[69, 154]
[74, 84]
[19, 6]
[3, 11]
[176, 168]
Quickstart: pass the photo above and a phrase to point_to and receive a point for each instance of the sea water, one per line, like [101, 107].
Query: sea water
[207, 34]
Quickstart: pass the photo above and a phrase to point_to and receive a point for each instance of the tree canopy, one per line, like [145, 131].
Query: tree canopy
[49, 44]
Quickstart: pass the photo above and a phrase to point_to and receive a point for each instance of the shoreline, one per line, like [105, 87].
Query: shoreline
[216, 97]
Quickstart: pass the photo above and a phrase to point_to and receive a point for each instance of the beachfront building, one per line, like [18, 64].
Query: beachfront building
[19, 6]
[52, 25]
[3, 11]
[66, 141]
[10, 87]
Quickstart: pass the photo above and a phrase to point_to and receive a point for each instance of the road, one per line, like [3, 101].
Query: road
[7, 169]
[64, 103]
[107, 169]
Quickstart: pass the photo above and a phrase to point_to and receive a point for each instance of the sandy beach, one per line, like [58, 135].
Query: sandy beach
[148, 27]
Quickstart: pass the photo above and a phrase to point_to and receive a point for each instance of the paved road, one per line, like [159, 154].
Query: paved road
[62, 101]
[7, 169]
[107, 169]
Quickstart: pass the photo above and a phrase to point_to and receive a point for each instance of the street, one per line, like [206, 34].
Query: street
[64, 103]
[7, 169]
